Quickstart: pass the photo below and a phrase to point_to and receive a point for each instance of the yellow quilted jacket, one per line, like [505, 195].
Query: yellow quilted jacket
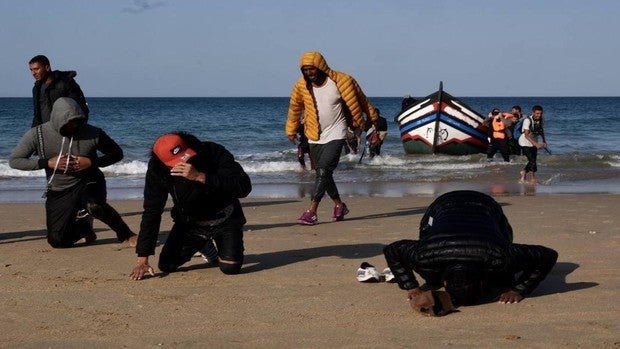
[303, 102]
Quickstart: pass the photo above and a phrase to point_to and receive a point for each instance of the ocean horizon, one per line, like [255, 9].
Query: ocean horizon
[581, 132]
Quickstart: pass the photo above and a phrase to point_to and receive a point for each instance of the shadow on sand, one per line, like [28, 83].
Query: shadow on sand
[265, 261]
[556, 281]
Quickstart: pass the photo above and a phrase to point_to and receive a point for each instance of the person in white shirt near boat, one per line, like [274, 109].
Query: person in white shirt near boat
[531, 130]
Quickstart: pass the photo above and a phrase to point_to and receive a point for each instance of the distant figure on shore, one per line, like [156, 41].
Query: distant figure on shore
[499, 133]
[465, 245]
[330, 101]
[67, 149]
[406, 103]
[205, 184]
[513, 143]
[353, 140]
[531, 130]
[49, 86]
[375, 135]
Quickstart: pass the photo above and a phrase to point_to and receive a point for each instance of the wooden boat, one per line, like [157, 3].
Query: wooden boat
[441, 124]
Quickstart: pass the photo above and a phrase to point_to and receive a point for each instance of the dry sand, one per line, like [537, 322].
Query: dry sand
[298, 286]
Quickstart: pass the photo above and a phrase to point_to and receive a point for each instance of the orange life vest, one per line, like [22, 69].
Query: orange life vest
[498, 129]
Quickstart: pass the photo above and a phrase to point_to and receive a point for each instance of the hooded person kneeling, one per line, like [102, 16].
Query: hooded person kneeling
[68, 149]
[465, 246]
[205, 183]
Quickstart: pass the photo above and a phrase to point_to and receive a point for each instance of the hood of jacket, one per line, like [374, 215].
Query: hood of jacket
[315, 59]
[64, 110]
[69, 74]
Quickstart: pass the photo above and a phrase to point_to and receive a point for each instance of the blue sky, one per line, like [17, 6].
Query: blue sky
[175, 48]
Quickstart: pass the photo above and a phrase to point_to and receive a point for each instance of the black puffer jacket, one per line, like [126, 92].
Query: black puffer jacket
[467, 227]
[226, 182]
[63, 85]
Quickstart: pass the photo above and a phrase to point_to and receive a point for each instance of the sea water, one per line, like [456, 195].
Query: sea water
[581, 133]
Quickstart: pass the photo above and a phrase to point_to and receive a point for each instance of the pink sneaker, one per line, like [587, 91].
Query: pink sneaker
[339, 212]
[308, 218]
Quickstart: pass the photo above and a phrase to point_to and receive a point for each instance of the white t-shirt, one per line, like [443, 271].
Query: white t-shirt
[524, 142]
[332, 121]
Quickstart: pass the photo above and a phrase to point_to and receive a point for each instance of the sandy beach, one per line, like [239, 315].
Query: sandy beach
[298, 287]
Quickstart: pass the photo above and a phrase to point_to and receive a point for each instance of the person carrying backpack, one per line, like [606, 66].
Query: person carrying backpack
[531, 128]
[513, 142]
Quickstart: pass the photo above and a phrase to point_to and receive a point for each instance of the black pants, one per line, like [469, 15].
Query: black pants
[186, 239]
[63, 229]
[500, 144]
[514, 147]
[94, 200]
[61, 207]
[531, 153]
[326, 158]
[374, 149]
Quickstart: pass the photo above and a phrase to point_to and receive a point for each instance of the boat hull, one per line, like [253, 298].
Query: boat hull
[442, 124]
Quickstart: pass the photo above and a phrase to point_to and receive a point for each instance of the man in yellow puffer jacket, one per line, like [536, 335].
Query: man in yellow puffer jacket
[329, 101]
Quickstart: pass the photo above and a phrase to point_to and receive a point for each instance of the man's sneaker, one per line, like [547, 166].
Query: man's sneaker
[339, 212]
[388, 276]
[308, 218]
[368, 273]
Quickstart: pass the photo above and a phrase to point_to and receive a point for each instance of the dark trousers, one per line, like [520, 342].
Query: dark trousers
[63, 229]
[61, 207]
[326, 158]
[531, 153]
[374, 149]
[94, 200]
[500, 144]
[186, 239]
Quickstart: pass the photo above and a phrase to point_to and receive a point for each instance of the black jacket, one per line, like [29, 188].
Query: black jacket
[226, 182]
[63, 85]
[468, 227]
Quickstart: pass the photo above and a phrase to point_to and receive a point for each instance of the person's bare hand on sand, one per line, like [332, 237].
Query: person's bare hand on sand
[142, 268]
[510, 297]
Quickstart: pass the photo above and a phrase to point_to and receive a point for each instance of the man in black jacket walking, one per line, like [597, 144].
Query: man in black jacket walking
[49, 86]
[205, 183]
[465, 245]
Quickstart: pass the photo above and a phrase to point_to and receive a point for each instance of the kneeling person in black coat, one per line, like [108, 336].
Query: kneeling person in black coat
[205, 183]
[465, 245]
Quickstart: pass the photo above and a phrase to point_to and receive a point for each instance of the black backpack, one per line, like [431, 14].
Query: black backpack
[382, 124]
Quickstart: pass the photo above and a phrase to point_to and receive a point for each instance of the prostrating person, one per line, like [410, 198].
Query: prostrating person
[465, 245]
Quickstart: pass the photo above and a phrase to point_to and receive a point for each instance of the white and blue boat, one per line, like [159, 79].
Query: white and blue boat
[441, 124]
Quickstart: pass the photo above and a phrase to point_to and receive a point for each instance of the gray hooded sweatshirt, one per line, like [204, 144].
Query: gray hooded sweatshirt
[86, 141]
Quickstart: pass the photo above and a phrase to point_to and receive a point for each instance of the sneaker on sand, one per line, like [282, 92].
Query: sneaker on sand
[368, 273]
[308, 218]
[339, 212]
[388, 276]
